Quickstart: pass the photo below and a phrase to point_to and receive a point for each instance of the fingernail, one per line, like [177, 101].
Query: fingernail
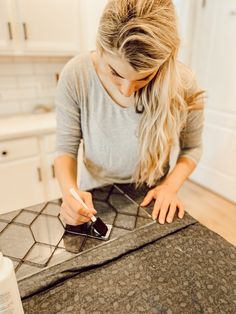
[161, 221]
[154, 218]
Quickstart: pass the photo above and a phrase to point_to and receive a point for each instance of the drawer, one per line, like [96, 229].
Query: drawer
[49, 143]
[20, 148]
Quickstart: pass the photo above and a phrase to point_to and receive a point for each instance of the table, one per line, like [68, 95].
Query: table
[182, 267]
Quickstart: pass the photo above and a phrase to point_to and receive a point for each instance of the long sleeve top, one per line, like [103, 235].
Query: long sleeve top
[86, 111]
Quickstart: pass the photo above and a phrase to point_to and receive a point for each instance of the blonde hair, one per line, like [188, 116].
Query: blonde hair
[144, 33]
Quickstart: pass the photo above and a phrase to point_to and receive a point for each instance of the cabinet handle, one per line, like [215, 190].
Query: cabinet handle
[4, 153]
[39, 174]
[10, 30]
[53, 171]
[203, 3]
[25, 31]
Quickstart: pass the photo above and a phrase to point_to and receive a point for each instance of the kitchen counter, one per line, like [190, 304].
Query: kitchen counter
[26, 125]
[144, 267]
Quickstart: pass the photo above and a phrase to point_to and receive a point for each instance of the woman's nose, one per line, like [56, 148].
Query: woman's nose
[127, 89]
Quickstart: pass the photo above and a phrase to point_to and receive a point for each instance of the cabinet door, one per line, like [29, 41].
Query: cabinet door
[48, 147]
[214, 63]
[51, 184]
[7, 30]
[21, 184]
[49, 26]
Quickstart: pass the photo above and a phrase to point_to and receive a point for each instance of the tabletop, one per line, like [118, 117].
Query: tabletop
[182, 267]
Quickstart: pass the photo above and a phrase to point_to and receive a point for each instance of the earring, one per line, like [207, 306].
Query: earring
[139, 108]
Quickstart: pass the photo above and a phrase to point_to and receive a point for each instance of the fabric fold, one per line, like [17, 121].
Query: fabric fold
[100, 255]
[189, 271]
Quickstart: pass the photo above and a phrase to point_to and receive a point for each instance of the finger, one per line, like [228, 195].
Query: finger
[73, 213]
[89, 202]
[65, 209]
[171, 212]
[75, 221]
[148, 198]
[66, 218]
[181, 209]
[163, 211]
[157, 208]
[85, 212]
[78, 208]
[75, 216]
[82, 219]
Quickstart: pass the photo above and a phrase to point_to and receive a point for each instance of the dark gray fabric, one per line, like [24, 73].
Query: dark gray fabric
[99, 255]
[189, 270]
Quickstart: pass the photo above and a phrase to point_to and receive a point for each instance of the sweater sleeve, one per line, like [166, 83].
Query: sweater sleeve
[191, 136]
[68, 132]
[190, 141]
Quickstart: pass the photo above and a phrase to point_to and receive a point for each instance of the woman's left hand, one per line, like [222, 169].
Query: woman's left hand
[166, 203]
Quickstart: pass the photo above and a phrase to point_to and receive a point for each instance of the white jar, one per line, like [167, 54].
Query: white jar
[10, 301]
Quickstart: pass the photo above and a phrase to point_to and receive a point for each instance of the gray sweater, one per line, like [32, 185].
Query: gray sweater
[109, 132]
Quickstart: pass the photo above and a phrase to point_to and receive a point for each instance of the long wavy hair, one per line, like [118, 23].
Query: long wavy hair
[145, 34]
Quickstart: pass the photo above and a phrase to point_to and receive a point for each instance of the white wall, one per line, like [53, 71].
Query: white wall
[214, 61]
[89, 20]
[185, 10]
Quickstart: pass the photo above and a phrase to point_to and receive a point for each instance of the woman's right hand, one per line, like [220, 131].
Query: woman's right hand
[73, 213]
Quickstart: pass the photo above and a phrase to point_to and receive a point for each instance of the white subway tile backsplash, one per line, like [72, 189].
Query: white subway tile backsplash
[30, 106]
[10, 107]
[7, 81]
[45, 101]
[47, 81]
[27, 106]
[46, 92]
[26, 84]
[17, 93]
[12, 69]
[48, 68]
[27, 81]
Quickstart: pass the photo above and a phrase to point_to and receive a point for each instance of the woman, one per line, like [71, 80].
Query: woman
[131, 101]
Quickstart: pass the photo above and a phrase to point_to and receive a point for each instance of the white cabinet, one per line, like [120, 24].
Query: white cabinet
[48, 146]
[21, 182]
[26, 172]
[15, 149]
[49, 25]
[39, 27]
[52, 186]
[6, 26]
